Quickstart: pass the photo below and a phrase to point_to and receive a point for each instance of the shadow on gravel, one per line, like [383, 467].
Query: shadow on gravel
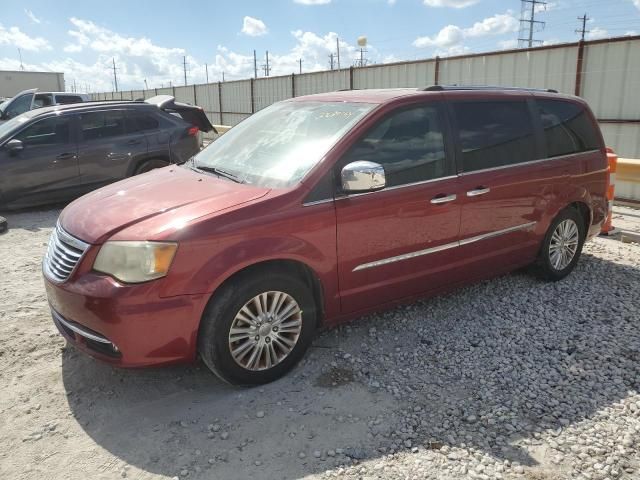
[487, 369]
[34, 219]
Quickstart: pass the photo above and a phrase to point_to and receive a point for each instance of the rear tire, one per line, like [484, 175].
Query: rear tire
[562, 246]
[263, 345]
[149, 165]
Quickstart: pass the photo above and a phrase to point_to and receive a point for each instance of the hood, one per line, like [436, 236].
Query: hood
[159, 203]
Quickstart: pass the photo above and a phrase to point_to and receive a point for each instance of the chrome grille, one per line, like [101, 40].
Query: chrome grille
[63, 254]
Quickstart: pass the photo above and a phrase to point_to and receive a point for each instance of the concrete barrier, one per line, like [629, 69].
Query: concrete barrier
[628, 180]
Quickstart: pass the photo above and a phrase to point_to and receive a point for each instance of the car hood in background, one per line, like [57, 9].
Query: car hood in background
[153, 205]
[189, 113]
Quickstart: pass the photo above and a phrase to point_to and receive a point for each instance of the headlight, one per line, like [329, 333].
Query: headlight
[135, 262]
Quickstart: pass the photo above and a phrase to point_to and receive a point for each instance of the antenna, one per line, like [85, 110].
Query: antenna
[583, 30]
[528, 16]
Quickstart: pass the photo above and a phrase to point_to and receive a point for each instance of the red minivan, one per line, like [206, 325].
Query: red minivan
[319, 209]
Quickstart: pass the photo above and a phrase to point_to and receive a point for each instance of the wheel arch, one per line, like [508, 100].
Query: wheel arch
[134, 166]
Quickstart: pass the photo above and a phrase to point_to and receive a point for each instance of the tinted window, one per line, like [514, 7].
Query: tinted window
[567, 128]
[409, 144]
[43, 100]
[141, 122]
[98, 125]
[19, 105]
[65, 99]
[493, 134]
[50, 131]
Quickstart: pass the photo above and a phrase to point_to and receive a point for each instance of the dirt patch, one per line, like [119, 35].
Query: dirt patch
[335, 377]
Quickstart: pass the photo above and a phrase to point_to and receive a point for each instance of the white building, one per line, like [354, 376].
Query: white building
[14, 82]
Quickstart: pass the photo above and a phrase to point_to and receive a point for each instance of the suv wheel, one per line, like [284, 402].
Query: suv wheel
[562, 245]
[257, 328]
[150, 165]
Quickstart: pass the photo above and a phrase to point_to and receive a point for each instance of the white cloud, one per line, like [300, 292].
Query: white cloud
[312, 2]
[450, 3]
[630, 33]
[636, 3]
[15, 37]
[508, 44]
[391, 2]
[32, 16]
[449, 40]
[597, 33]
[72, 48]
[253, 27]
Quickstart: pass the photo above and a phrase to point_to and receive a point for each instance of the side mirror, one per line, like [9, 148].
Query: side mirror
[362, 176]
[15, 145]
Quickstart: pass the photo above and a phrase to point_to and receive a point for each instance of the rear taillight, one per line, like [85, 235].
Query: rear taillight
[193, 131]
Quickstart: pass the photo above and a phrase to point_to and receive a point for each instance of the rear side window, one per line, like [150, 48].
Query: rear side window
[99, 125]
[50, 131]
[567, 128]
[65, 99]
[43, 100]
[494, 134]
[409, 144]
[141, 122]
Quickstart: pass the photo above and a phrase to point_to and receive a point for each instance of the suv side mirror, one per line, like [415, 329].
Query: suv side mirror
[362, 176]
[15, 145]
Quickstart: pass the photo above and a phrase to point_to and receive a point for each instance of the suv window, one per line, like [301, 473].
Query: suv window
[409, 144]
[50, 131]
[567, 128]
[141, 122]
[494, 134]
[19, 106]
[43, 100]
[98, 125]
[66, 99]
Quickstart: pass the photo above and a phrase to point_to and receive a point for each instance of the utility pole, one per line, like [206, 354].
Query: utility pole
[184, 66]
[331, 60]
[338, 51]
[255, 65]
[528, 22]
[206, 72]
[266, 67]
[582, 31]
[74, 86]
[146, 85]
[300, 63]
[115, 75]
[20, 55]
[223, 76]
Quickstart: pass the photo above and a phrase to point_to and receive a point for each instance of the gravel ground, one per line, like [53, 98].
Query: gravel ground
[510, 378]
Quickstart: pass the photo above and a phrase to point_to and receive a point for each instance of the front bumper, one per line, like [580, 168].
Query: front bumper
[126, 325]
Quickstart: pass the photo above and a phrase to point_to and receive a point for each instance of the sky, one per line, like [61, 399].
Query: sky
[149, 40]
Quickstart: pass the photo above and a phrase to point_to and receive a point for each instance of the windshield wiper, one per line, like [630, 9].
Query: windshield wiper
[218, 171]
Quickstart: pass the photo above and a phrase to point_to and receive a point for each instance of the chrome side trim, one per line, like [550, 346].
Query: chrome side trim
[317, 202]
[396, 187]
[440, 248]
[407, 256]
[484, 236]
[78, 329]
[531, 162]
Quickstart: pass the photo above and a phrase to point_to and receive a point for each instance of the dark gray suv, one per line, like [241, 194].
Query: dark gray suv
[57, 153]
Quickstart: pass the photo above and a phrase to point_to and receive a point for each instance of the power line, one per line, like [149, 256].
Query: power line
[528, 16]
[583, 30]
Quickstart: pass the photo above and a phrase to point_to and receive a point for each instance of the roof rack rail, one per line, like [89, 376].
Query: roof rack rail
[441, 88]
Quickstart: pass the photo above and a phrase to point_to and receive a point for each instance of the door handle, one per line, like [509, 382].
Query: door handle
[478, 191]
[443, 199]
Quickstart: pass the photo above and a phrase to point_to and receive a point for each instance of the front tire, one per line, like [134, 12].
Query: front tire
[257, 327]
[562, 246]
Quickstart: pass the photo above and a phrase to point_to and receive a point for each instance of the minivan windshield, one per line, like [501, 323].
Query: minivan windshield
[277, 146]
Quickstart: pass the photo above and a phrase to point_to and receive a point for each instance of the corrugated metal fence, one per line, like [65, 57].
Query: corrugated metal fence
[605, 72]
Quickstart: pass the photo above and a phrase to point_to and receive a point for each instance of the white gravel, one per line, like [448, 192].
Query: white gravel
[510, 378]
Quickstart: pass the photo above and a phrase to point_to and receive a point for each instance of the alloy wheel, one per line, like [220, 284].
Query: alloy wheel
[265, 330]
[564, 244]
